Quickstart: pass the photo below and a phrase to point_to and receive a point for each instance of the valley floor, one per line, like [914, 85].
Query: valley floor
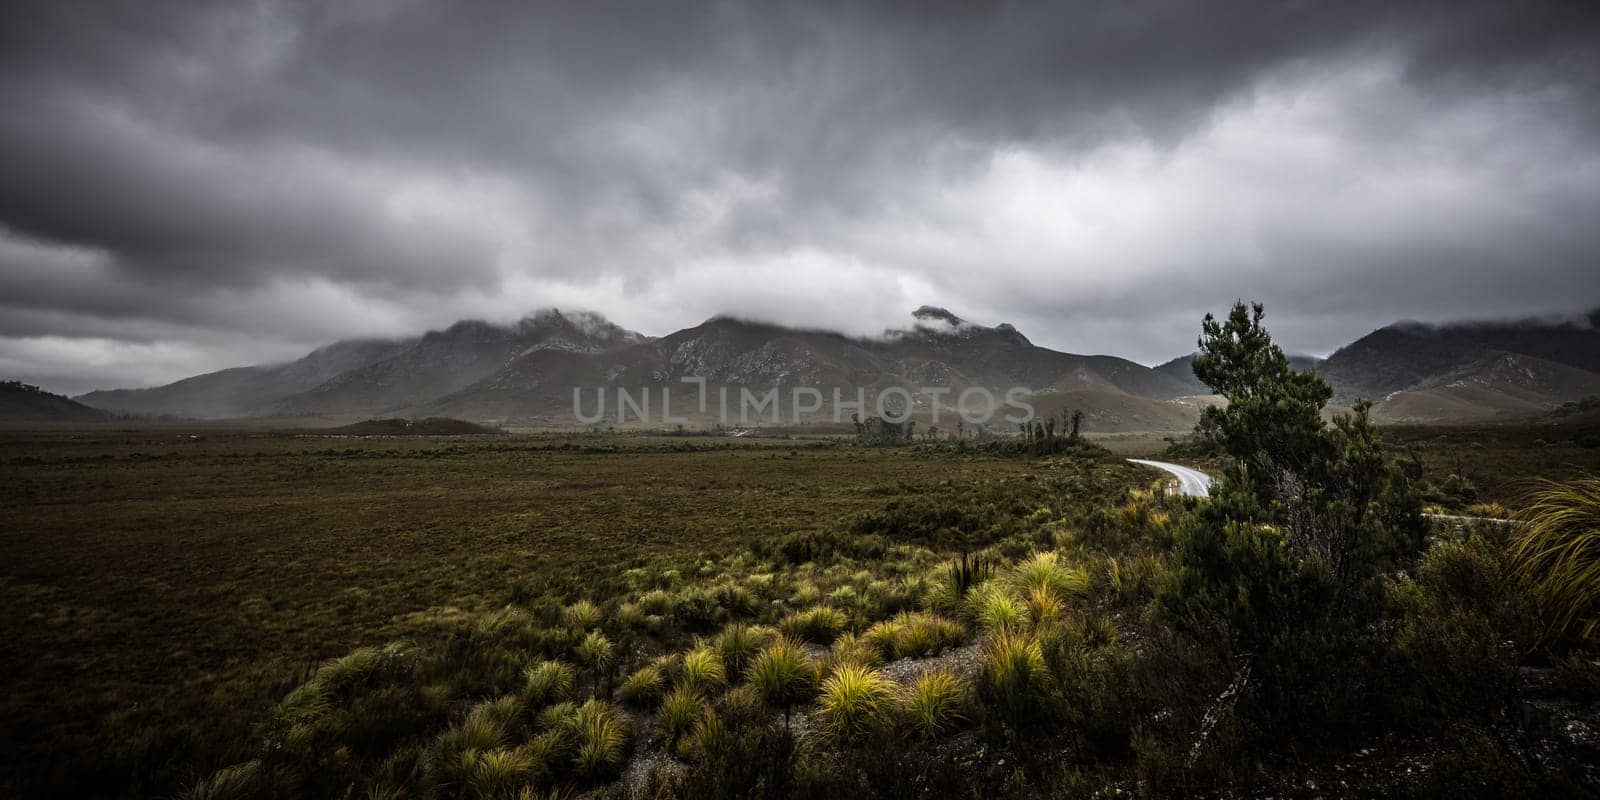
[168, 586]
[171, 573]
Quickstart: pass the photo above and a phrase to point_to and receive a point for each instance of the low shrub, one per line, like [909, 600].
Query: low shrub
[695, 610]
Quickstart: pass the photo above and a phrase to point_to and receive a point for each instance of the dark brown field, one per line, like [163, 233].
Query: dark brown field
[175, 574]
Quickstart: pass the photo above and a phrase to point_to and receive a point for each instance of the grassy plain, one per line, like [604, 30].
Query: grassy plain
[1501, 461]
[168, 586]
[182, 574]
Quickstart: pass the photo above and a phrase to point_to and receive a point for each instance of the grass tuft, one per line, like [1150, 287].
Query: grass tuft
[581, 616]
[702, 672]
[1557, 554]
[498, 773]
[602, 740]
[913, 635]
[782, 677]
[996, 610]
[933, 704]
[1014, 674]
[856, 701]
[736, 647]
[679, 711]
[644, 688]
[547, 682]
[820, 624]
[238, 782]
[1045, 570]
[595, 653]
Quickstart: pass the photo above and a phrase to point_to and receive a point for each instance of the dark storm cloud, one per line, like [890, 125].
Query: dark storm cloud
[236, 182]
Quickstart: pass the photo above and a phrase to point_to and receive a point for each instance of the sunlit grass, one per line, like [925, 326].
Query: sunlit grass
[1013, 672]
[557, 717]
[548, 682]
[996, 610]
[782, 677]
[913, 635]
[736, 646]
[1557, 554]
[855, 701]
[238, 782]
[702, 671]
[656, 602]
[820, 624]
[602, 740]
[595, 653]
[1043, 606]
[644, 688]
[497, 773]
[679, 711]
[1045, 570]
[933, 703]
[582, 615]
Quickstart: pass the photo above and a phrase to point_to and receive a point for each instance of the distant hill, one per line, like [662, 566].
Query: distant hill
[1457, 372]
[366, 377]
[1107, 412]
[1182, 368]
[1410, 354]
[244, 391]
[432, 426]
[1501, 386]
[442, 362]
[20, 402]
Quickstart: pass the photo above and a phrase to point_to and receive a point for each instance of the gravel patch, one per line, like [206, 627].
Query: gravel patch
[963, 662]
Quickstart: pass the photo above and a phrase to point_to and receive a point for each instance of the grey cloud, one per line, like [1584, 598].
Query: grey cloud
[280, 173]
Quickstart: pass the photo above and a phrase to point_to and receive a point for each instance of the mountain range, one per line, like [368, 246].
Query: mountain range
[525, 373]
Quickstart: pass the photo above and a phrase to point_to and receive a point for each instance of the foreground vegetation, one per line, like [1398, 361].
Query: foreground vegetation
[678, 619]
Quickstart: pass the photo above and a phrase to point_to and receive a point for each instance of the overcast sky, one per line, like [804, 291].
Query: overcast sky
[185, 188]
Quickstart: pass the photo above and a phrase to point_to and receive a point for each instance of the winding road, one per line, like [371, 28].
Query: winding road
[1191, 482]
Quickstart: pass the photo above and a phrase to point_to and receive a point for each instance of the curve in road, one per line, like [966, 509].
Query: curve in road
[1191, 482]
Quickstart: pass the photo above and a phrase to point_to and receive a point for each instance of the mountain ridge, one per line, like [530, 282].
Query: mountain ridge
[526, 370]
